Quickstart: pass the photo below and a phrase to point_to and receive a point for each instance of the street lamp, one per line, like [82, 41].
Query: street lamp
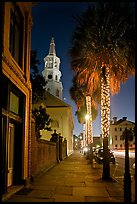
[87, 116]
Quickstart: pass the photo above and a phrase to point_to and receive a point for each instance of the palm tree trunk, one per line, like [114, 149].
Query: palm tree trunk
[89, 124]
[89, 129]
[105, 119]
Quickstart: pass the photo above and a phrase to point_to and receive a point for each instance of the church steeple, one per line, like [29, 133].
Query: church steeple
[52, 50]
[52, 73]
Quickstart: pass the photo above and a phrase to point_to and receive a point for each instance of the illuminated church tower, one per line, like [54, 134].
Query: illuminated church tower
[51, 72]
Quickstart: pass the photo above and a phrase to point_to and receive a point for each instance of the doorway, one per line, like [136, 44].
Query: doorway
[10, 153]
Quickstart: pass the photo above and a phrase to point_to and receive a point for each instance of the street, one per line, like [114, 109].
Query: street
[118, 169]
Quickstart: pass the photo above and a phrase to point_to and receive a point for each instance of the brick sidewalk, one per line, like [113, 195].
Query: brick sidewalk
[71, 180]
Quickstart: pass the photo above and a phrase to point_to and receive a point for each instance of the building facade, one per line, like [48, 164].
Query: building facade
[62, 119]
[117, 127]
[16, 93]
[52, 73]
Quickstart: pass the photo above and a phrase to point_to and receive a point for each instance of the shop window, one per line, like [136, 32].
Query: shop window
[16, 35]
[14, 103]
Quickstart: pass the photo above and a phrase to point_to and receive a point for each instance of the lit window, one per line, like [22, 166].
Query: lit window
[14, 103]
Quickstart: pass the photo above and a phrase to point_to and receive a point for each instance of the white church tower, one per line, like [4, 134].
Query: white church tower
[51, 72]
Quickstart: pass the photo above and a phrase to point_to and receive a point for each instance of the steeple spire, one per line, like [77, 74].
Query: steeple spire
[52, 47]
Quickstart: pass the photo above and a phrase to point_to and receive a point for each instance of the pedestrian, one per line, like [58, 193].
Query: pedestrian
[54, 137]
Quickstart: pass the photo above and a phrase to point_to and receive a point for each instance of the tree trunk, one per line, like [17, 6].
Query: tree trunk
[106, 166]
[105, 118]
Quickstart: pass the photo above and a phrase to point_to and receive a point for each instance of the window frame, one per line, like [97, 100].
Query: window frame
[16, 34]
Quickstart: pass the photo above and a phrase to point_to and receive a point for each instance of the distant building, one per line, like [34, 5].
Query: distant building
[117, 128]
[51, 72]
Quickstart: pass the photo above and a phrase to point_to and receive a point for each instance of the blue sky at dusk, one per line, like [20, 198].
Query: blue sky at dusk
[56, 19]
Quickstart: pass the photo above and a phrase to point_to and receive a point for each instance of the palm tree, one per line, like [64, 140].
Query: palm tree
[79, 93]
[103, 45]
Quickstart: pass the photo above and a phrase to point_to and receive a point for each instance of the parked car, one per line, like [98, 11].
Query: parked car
[98, 155]
[85, 150]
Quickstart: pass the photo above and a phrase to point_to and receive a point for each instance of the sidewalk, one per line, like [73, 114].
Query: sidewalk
[71, 180]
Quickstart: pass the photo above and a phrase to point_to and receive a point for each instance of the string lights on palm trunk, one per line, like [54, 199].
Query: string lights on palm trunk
[105, 102]
[89, 136]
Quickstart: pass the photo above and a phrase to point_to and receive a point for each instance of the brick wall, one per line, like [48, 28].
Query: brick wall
[43, 153]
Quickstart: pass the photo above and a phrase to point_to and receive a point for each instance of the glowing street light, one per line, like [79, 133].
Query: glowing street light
[87, 117]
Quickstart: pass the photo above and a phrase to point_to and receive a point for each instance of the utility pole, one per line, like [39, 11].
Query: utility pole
[127, 177]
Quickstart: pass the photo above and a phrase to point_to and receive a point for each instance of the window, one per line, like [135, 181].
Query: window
[116, 145]
[14, 103]
[121, 137]
[115, 137]
[120, 129]
[56, 77]
[121, 145]
[115, 129]
[16, 34]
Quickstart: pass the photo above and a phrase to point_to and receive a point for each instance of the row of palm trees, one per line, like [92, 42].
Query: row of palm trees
[102, 56]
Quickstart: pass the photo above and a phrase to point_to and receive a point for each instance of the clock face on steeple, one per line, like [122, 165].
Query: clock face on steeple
[50, 76]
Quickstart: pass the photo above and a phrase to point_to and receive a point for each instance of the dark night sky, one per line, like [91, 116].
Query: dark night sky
[56, 19]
